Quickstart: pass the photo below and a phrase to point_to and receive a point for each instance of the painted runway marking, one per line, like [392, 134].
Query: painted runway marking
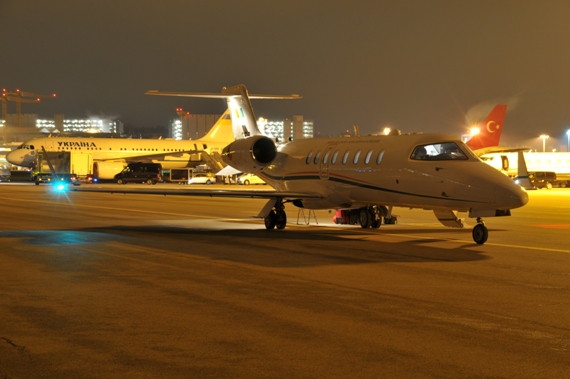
[554, 226]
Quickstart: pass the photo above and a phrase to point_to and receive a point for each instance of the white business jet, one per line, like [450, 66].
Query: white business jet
[110, 155]
[366, 176]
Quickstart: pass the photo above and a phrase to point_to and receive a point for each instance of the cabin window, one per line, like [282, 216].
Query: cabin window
[326, 157]
[345, 157]
[356, 156]
[367, 158]
[309, 157]
[335, 155]
[441, 151]
[380, 156]
[317, 157]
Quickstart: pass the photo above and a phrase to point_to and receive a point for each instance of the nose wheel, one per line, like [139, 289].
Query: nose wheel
[480, 232]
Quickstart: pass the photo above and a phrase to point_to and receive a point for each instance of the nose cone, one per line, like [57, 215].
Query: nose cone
[14, 157]
[512, 196]
[20, 157]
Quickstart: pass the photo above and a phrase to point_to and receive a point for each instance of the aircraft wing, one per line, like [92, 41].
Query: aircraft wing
[153, 156]
[251, 194]
[499, 149]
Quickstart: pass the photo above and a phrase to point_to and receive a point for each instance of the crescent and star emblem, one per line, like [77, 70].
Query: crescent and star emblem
[492, 126]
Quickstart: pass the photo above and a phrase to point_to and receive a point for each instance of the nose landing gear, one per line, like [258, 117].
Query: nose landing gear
[480, 232]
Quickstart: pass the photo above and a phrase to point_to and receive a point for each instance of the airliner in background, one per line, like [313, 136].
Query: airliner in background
[486, 140]
[362, 177]
[558, 162]
[508, 160]
[111, 155]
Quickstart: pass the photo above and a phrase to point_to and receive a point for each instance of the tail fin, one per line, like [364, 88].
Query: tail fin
[490, 133]
[244, 123]
[522, 178]
[241, 112]
[222, 131]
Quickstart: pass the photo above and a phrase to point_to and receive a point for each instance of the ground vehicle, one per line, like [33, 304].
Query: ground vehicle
[544, 179]
[202, 178]
[178, 175]
[61, 179]
[140, 172]
[67, 166]
[247, 179]
[4, 175]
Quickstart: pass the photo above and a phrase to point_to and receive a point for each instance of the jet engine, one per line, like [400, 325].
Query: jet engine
[251, 154]
[108, 169]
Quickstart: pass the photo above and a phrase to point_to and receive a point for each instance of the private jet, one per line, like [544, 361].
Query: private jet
[364, 176]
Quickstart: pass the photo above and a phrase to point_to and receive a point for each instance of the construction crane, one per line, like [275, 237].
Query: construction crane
[19, 97]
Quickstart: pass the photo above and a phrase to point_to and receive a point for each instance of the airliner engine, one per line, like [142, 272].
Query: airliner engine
[251, 154]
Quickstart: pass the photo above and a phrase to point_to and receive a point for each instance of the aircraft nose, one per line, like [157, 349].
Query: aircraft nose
[511, 197]
[14, 158]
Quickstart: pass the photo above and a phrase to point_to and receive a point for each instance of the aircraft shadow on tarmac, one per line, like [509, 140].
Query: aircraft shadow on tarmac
[296, 247]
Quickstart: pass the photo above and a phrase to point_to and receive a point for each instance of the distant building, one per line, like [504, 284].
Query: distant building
[287, 130]
[194, 126]
[29, 126]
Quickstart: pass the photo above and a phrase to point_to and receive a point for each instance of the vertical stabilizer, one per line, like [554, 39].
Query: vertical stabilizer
[522, 178]
[222, 131]
[243, 119]
[490, 131]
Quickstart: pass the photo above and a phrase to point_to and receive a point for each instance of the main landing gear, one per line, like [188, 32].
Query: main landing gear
[370, 217]
[480, 232]
[366, 217]
[277, 218]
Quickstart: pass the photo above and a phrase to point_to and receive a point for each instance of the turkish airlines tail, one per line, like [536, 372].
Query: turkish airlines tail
[490, 130]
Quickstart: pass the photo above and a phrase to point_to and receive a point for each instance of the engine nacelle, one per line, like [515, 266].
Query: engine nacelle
[108, 170]
[251, 154]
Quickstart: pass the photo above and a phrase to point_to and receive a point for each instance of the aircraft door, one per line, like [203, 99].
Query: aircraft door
[49, 145]
[324, 163]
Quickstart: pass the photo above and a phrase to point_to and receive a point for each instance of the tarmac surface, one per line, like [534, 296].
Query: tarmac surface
[141, 286]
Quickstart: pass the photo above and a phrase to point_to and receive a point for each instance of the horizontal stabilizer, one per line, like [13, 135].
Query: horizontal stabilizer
[220, 95]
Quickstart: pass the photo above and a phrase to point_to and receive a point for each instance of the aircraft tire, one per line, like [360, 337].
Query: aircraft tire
[364, 218]
[149, 182]
[281, 220]
[376, 223]
[480, 234]
[246, 182]
[270, 220]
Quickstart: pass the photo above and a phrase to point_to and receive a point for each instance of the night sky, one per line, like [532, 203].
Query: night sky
[419, 65]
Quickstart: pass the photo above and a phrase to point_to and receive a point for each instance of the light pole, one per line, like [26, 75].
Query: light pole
[544, 137]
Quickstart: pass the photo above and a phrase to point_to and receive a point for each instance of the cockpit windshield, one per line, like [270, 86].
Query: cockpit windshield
[442, 151]
[25, 147]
